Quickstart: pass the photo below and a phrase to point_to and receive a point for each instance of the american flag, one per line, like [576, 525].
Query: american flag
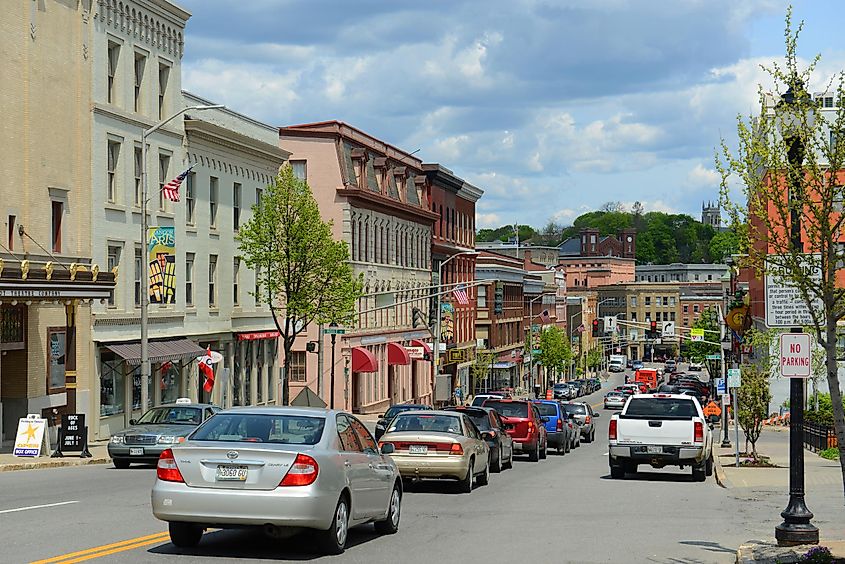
[545, 317]
[460, 293]
[171, 189]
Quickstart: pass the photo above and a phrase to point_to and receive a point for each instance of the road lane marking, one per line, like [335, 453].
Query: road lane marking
[15, 510]
[105, 549]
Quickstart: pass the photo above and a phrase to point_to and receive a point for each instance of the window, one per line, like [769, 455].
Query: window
[297, 366]
[212, 201]
[190, 199]
[672, 301]
[686, 309]
[189, 279]
[113, 56]
[671, 316]
[365, 439]
[163, 77]
[482, 296]
[633, 316]
[163, 167]
[113, 262]
[56, 339]
[347, 436]
[695, 308]
[257, 291]
[56, 231]
[236, 274]
[139, 265]
[139, 167]
[113, 155]
[10, 242]
[648, 300]
[236, 206]
[212, 280]
[140, 64]
[259, 193]
[300, 169]
[696, 277]
[709, 277]
[665, 301]
[686, 321]
[633, 301]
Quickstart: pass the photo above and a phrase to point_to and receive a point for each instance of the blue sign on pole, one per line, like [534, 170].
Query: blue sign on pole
[720, 386]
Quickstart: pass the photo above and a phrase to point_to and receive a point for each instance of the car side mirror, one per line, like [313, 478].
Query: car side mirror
[133, 421]
[487, 436]
[596, 414]
[381, 416]
[388, 448]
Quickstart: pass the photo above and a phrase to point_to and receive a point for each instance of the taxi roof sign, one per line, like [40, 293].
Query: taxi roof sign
[180, 401]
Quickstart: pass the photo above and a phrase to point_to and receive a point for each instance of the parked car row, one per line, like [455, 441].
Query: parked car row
[282, 469]
[575, 388]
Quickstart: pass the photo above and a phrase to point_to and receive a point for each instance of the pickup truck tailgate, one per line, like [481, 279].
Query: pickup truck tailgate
[655, 431]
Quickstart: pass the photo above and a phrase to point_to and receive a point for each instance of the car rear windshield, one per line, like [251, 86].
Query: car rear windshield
[509, 409]
[397, 409]
[546, 409]
[434, 423]
[173, 416]
[481, 420]
[261, 428]
[575, 409]
[660, 408]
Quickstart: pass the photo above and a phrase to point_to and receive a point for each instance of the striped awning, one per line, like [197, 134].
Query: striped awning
[158, 351]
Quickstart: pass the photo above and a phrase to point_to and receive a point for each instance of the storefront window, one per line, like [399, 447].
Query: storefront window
[111, 387]
[168, 381]
[56, 351]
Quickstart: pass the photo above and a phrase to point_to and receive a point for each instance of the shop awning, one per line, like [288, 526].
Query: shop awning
[363, 360]
[257, 335]
[158, 351]
[397, 354]
[504, 365]
[423, 344]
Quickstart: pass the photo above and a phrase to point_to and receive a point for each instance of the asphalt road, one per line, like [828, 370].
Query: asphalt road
[563, 509]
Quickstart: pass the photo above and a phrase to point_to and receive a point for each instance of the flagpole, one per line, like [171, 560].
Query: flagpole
[145, 296]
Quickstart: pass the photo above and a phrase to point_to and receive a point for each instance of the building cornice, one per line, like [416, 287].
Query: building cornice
[135, 120]
[218, 135]
[378, 202]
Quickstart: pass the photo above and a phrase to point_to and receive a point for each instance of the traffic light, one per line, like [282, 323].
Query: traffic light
[499, 300]
[595, 327]
[652, 330]
[418, 319]
[433, 314]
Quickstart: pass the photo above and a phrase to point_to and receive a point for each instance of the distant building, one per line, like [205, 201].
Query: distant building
[711, 215]
[546, 256]
[680, 272]
[698, 298]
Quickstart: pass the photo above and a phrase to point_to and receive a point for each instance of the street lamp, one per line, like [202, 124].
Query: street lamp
[571, 317]
[436, 337]
[796, 528]
[598, 316]
[145, 297]
[531, 341]
[333, 327]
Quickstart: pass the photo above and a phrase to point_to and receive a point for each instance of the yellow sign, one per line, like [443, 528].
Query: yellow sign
[696, 334]
[161, 264]
[30, 437]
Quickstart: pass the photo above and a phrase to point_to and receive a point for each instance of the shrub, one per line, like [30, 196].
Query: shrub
[831, 453]
[818, 554]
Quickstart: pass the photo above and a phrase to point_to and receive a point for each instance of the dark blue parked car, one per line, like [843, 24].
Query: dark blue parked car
[560, 429]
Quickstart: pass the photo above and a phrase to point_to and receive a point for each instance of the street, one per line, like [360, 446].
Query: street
[562, 509]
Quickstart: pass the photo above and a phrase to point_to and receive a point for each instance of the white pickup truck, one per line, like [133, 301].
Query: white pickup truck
[661, 430]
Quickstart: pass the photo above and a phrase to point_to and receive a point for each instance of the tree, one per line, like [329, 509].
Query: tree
[709, 321]
[753, 399]
[481, 368]
[787, 161]
[723, 245]
[555, 352]
[594, 358]
[301, 271]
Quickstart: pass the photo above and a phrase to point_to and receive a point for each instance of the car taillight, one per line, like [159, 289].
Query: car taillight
[530, 426]
[456, 449]
[166, 470]
[698, 433]
[302, 472]
[611, 431]
[560, 424]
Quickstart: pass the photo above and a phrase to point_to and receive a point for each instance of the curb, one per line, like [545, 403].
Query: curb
[53, 463]
[721, 477]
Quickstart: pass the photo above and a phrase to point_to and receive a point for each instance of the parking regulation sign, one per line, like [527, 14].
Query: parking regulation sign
[795, 359]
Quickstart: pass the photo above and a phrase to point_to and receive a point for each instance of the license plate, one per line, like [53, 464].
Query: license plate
[232, 473]
[136, 452]
[418, 449]
[654, 449]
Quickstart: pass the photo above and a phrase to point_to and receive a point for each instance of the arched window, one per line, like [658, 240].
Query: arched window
[360, 252]
[376, 244]
[354, 244]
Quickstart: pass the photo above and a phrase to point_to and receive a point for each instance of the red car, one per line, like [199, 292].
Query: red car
[524, 424]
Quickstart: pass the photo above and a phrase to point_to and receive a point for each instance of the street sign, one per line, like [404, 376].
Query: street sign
[696, 334]
[734, 377]
[726, 399]
[713, 357]
[720, 386]
[609, 324]
[668, 329]
[784, 305]
[416, 353]
[712, 409]
[795, 353]
[334, 331]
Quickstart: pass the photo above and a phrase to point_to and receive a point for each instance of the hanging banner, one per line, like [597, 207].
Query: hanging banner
[696, 334]
[447, 323]
[535, 339]
[161, 261]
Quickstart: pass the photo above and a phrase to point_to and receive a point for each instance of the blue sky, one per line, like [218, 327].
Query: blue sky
[552, 107]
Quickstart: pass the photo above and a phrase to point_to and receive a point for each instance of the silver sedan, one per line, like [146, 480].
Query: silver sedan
[281, 469]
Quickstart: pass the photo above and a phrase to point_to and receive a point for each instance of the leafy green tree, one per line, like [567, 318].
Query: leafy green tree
[753, 399]
[555, 351]
[302, 272]
[723, 245]
[594, 358]
[481, 368]
[709, 321]
[788, 167]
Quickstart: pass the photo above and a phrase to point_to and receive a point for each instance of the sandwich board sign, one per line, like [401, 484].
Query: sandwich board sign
[31, 438]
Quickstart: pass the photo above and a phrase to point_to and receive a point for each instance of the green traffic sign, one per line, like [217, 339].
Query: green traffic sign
[334, 331]
[713, 357]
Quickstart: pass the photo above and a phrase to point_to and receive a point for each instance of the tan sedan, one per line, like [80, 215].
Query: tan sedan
[440, 445]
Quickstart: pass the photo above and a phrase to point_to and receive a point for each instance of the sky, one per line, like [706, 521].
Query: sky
[551, 107]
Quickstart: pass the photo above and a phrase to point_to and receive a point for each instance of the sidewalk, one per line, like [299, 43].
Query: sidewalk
[9, 462]
[765, 492]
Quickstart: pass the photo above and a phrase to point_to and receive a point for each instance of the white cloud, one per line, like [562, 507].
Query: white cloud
[488, 220]
[701, 177]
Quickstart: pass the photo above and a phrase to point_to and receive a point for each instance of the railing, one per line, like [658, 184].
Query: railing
[818, 437]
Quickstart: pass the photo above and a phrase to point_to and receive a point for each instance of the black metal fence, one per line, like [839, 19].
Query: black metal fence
[818, 437]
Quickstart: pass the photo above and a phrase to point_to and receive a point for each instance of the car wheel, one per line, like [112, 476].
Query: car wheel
[185, 535]
[497, 467]
[617, 472]
[699, 473]
[391, 524]
[544, 451]
[561, 448]
[708, 468]
[484, 478]
[465, 485]
[593, 435]
[333, 539]
[534, 455]
[120, 463]
[510, 459]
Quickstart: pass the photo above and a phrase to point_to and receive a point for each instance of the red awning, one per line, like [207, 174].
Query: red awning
[423, 344]
[397, 354]
[363, 360]
[257, 335]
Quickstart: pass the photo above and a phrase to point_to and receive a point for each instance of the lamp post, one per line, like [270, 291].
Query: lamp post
[796, 527]
[598, 316]
[333, 327]
[571, 317]
[145, 296]
[436, 337]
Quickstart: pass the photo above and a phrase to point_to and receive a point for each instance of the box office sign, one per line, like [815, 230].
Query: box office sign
[31, 437]
[161, 264]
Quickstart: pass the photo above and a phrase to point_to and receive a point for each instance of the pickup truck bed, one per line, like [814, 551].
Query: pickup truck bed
[660, 430]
